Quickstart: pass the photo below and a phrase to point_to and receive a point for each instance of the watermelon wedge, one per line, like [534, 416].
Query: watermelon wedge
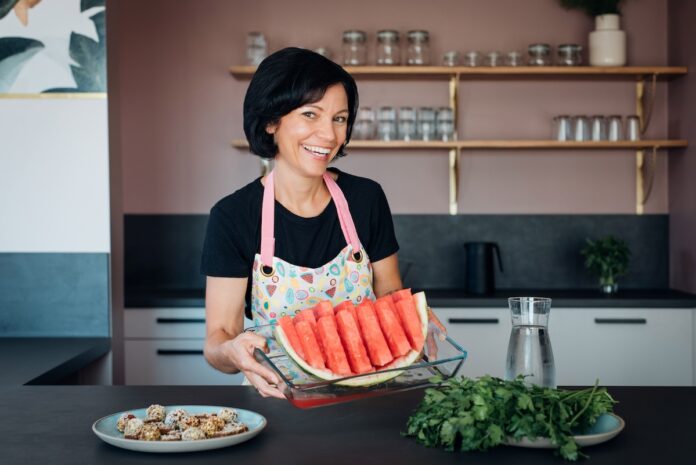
[345, 331]
[347, 305]
[323, 308]
[392, 329]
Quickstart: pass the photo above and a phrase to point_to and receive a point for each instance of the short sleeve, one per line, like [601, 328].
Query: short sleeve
[224, 252]
[382, 237]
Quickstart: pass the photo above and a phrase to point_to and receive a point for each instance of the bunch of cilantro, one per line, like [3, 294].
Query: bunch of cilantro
[476, 414]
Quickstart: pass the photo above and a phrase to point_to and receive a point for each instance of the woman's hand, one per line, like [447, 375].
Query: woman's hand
[240, 352]
[441, 331]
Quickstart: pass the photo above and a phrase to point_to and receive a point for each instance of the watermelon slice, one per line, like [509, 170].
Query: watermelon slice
[392, 330]
[352, 342]
[347, 305]
[401, 294]
[285, 322]
[323, 308]
[376, 344]
[352, 336]
[410, 320]
[309, 344]
[336, 359]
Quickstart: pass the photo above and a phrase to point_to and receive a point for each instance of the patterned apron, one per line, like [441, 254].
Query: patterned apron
[280, 288]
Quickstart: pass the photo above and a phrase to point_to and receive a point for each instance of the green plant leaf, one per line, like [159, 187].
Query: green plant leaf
[90, 74]
[14, 54]
[6, 6]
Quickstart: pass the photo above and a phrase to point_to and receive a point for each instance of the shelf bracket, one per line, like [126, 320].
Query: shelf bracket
[453, 180]
[645, 177]
[644, 104]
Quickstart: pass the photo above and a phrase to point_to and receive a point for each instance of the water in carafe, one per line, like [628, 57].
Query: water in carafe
[529, 349]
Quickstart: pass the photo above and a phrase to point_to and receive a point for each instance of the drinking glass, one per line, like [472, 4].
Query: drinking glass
[407, 123]
[257, 49]
[598, 128]
[529, 349]
[364, 128]
[581, 128]
[426, 123]
[386, 123]
[633, 127]
[615, 131]
[563, 129]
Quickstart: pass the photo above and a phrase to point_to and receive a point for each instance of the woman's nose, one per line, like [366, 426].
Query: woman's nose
[326, 130]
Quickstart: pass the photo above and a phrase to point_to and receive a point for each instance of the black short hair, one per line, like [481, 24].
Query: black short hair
[284, 81]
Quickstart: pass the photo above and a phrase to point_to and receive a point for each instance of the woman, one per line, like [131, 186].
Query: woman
[302, 233]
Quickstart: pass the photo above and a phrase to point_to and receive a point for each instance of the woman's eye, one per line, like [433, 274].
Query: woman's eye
[341, 119]
[309, 114]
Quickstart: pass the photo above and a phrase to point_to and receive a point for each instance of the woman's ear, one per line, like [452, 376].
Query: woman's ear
[271, 128]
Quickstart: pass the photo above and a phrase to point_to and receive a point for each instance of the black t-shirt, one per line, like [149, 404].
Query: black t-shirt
[233, 236]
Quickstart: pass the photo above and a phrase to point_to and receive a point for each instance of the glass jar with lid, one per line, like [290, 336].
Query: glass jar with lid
[354, 49]
[418, 52]
[539, 55]
[257, 48]
[569, 55]
[388, 52]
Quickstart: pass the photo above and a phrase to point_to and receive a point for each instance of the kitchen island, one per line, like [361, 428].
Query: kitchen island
[52, 424]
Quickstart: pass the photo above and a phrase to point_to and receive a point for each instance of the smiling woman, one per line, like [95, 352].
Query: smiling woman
[302, 234]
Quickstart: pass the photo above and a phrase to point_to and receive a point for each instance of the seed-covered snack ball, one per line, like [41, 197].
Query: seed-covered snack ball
[192, 434]
[173, 436]
[122, 420]
[228, 414]
[212, 425]
[133, 428]
[164, 428]
[174, 416]
[188, 422]
[155, 412]
[150, 432]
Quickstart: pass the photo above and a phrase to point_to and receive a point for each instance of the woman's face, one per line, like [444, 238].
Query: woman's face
[310, 136]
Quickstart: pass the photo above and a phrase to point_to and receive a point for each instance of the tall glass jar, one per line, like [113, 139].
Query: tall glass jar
[418, 52]
[354, 49]
[388, 52]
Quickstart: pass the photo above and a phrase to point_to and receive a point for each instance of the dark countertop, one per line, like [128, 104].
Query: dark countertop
[648, 298]
[46, 360]
[52, 424]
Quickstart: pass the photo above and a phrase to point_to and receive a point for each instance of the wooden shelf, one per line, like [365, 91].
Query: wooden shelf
[499, 71]
[505, 144]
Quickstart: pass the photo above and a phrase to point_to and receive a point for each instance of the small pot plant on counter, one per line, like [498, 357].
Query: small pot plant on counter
[607, 43]
[607, 257]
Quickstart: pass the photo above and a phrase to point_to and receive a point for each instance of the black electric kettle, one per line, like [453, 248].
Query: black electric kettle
[480, 272]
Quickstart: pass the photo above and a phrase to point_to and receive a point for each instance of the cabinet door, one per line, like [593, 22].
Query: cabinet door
[171, 362]
[153, 323]
[483, 333]
[628, 347]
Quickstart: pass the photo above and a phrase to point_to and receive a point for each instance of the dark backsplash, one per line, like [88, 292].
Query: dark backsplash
[538, 251]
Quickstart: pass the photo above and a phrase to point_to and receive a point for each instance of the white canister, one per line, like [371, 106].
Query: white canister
[607, 42]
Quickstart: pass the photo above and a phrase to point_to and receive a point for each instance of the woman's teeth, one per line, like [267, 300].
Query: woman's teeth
[317, 150]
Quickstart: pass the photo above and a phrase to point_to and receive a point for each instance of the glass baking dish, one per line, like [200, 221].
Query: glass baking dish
[442, 356]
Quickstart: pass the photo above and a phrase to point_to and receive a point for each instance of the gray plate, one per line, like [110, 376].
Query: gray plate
[608, 425]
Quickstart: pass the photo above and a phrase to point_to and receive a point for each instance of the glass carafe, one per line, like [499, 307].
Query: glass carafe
[529, 350]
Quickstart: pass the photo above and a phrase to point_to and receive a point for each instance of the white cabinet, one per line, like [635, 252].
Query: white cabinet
[623, 346]
[483, 333]
[164, 346]
[618, 346]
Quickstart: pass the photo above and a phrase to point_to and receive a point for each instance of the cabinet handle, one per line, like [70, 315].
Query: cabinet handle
[179, 352]
[180, 320]
[620, 321]
[475, 321]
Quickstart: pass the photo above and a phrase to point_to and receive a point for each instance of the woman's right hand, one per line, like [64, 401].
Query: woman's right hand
[240, 352]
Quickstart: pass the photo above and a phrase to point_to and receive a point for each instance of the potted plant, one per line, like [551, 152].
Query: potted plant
[607, 43]
[607, 257]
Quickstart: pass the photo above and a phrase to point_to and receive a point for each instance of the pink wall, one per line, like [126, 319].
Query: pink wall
[180, 108]
[682, 166]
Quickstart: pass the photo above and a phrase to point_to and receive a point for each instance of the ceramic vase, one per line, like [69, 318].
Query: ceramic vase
[607, 42]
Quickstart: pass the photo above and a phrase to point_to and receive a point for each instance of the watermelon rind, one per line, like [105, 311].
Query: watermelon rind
[365, 379]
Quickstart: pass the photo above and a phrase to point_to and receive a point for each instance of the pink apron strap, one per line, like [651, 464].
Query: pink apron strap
[344, 216]
[268, 217]
[267, 222]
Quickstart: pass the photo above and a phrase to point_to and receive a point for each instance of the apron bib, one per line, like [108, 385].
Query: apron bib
[280, 288]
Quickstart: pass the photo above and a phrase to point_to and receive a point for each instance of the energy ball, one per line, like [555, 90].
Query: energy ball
[188, 422]
[212, 425]
[228, 414]
[174, 416]
[155, 412]
[133, 428]
[122, 420]
[173, 436]
[150, 432]
[192, 434]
